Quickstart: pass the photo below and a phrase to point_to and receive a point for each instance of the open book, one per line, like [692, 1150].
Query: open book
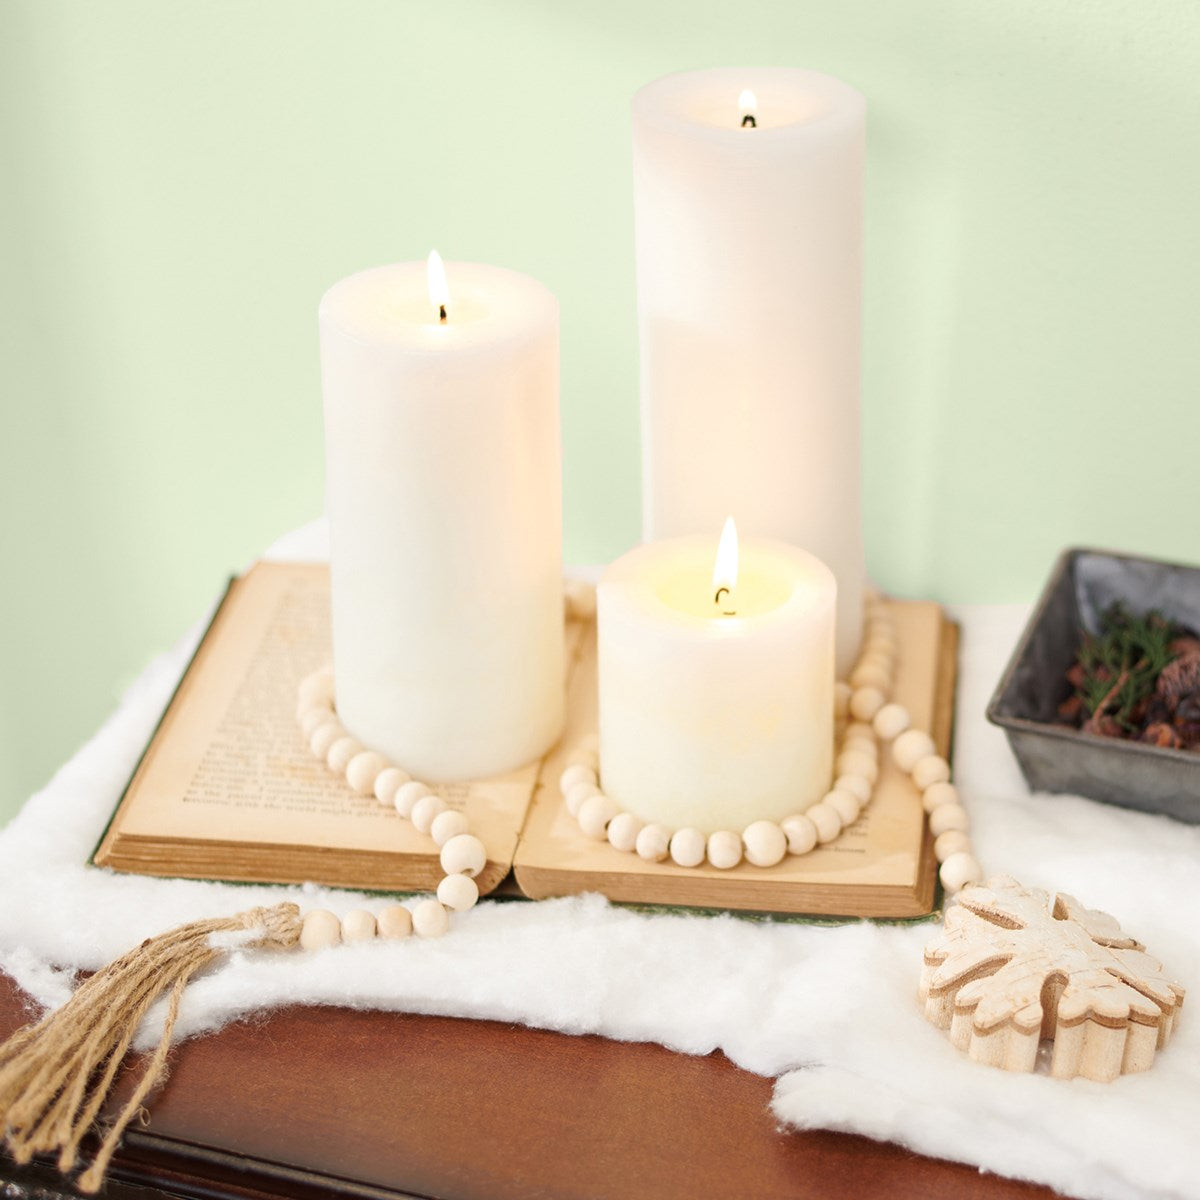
[228, 789]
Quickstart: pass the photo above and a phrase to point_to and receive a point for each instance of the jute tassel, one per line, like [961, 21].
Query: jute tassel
[56, 1074]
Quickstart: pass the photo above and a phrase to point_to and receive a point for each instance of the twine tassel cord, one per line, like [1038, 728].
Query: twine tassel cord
[56, 1074]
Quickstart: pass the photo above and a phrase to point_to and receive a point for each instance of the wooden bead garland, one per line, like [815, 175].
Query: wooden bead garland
[865, 716]
[462, 855]
[368, 773]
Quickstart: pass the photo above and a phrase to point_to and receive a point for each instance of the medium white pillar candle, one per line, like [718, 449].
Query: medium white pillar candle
[749, 246]
[712, 720]
[443, 479]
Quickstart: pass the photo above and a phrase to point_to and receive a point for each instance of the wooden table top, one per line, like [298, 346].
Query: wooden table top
[308, 1102]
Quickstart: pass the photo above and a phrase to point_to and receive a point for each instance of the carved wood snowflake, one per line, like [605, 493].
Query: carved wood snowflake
[1013, 965]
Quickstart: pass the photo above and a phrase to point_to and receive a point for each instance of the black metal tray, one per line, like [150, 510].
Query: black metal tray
[1057, 758]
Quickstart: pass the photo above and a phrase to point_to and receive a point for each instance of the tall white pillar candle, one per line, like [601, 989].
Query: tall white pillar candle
[715, 711]
[749, 251]
[443, 479]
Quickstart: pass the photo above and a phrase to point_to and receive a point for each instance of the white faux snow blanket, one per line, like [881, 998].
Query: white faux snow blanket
[832, 1012]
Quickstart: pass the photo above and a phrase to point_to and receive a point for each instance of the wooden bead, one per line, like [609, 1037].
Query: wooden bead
[959, 870]
[582, 757]
[388, 783]
[358, 925]
[407, 795]
[430, 919]
[950, 842]
[845, 804]
[880, 635]
[653, 843]
[575, 795]
[863, 745]
[574, 775]
[324, 736]
[342, 751]
[688, 847]
[623, 830]
[841, 698]
[860, 729]
[910, 747]
[424, 811]
[362, 771]
[317, 689]
[320, 929]
[937, 794]
[883, 653]
[724, 849]
[594, 815]
[946, 817]
[800, 832]
[463, 854]
[448, 824]
[458, 892]
[891, 721]
[826, 820]
[580, 597]
[859, 786]
[305, 707]
[866, 702]
[394, 922]
[881, 622]
[931, 769]
[765, 843]
[857, 762]
[870, 674]
[312, 719]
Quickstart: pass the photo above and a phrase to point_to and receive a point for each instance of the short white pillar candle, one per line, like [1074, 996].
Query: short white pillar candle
[443, 476]
[716, 712]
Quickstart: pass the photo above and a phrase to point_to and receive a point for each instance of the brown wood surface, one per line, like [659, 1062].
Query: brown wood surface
[310, 1102]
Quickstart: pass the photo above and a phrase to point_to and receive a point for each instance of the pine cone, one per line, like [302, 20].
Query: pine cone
[1163, 735]
[1180, 677]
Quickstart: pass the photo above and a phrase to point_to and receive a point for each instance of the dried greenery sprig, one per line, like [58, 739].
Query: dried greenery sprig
[1119, 666]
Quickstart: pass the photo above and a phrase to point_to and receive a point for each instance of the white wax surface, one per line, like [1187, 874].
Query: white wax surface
[749, 250]
[708, 720]
[443, 477]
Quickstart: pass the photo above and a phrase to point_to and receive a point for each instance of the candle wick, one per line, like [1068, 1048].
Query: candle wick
[442, 313]
[725, 612]
[748, 122]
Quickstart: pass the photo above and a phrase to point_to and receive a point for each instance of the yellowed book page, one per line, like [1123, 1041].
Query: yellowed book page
[229, 763]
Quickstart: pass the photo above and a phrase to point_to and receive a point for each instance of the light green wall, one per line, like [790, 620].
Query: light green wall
[180, 181]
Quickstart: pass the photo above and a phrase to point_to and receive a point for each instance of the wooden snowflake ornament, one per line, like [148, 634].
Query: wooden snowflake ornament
[1013, 965]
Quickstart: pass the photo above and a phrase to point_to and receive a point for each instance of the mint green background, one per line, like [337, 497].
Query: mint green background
[180, 182]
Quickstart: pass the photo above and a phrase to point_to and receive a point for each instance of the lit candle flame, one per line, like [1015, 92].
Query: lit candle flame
[725, 569]
[748, 108]
[439, 293]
